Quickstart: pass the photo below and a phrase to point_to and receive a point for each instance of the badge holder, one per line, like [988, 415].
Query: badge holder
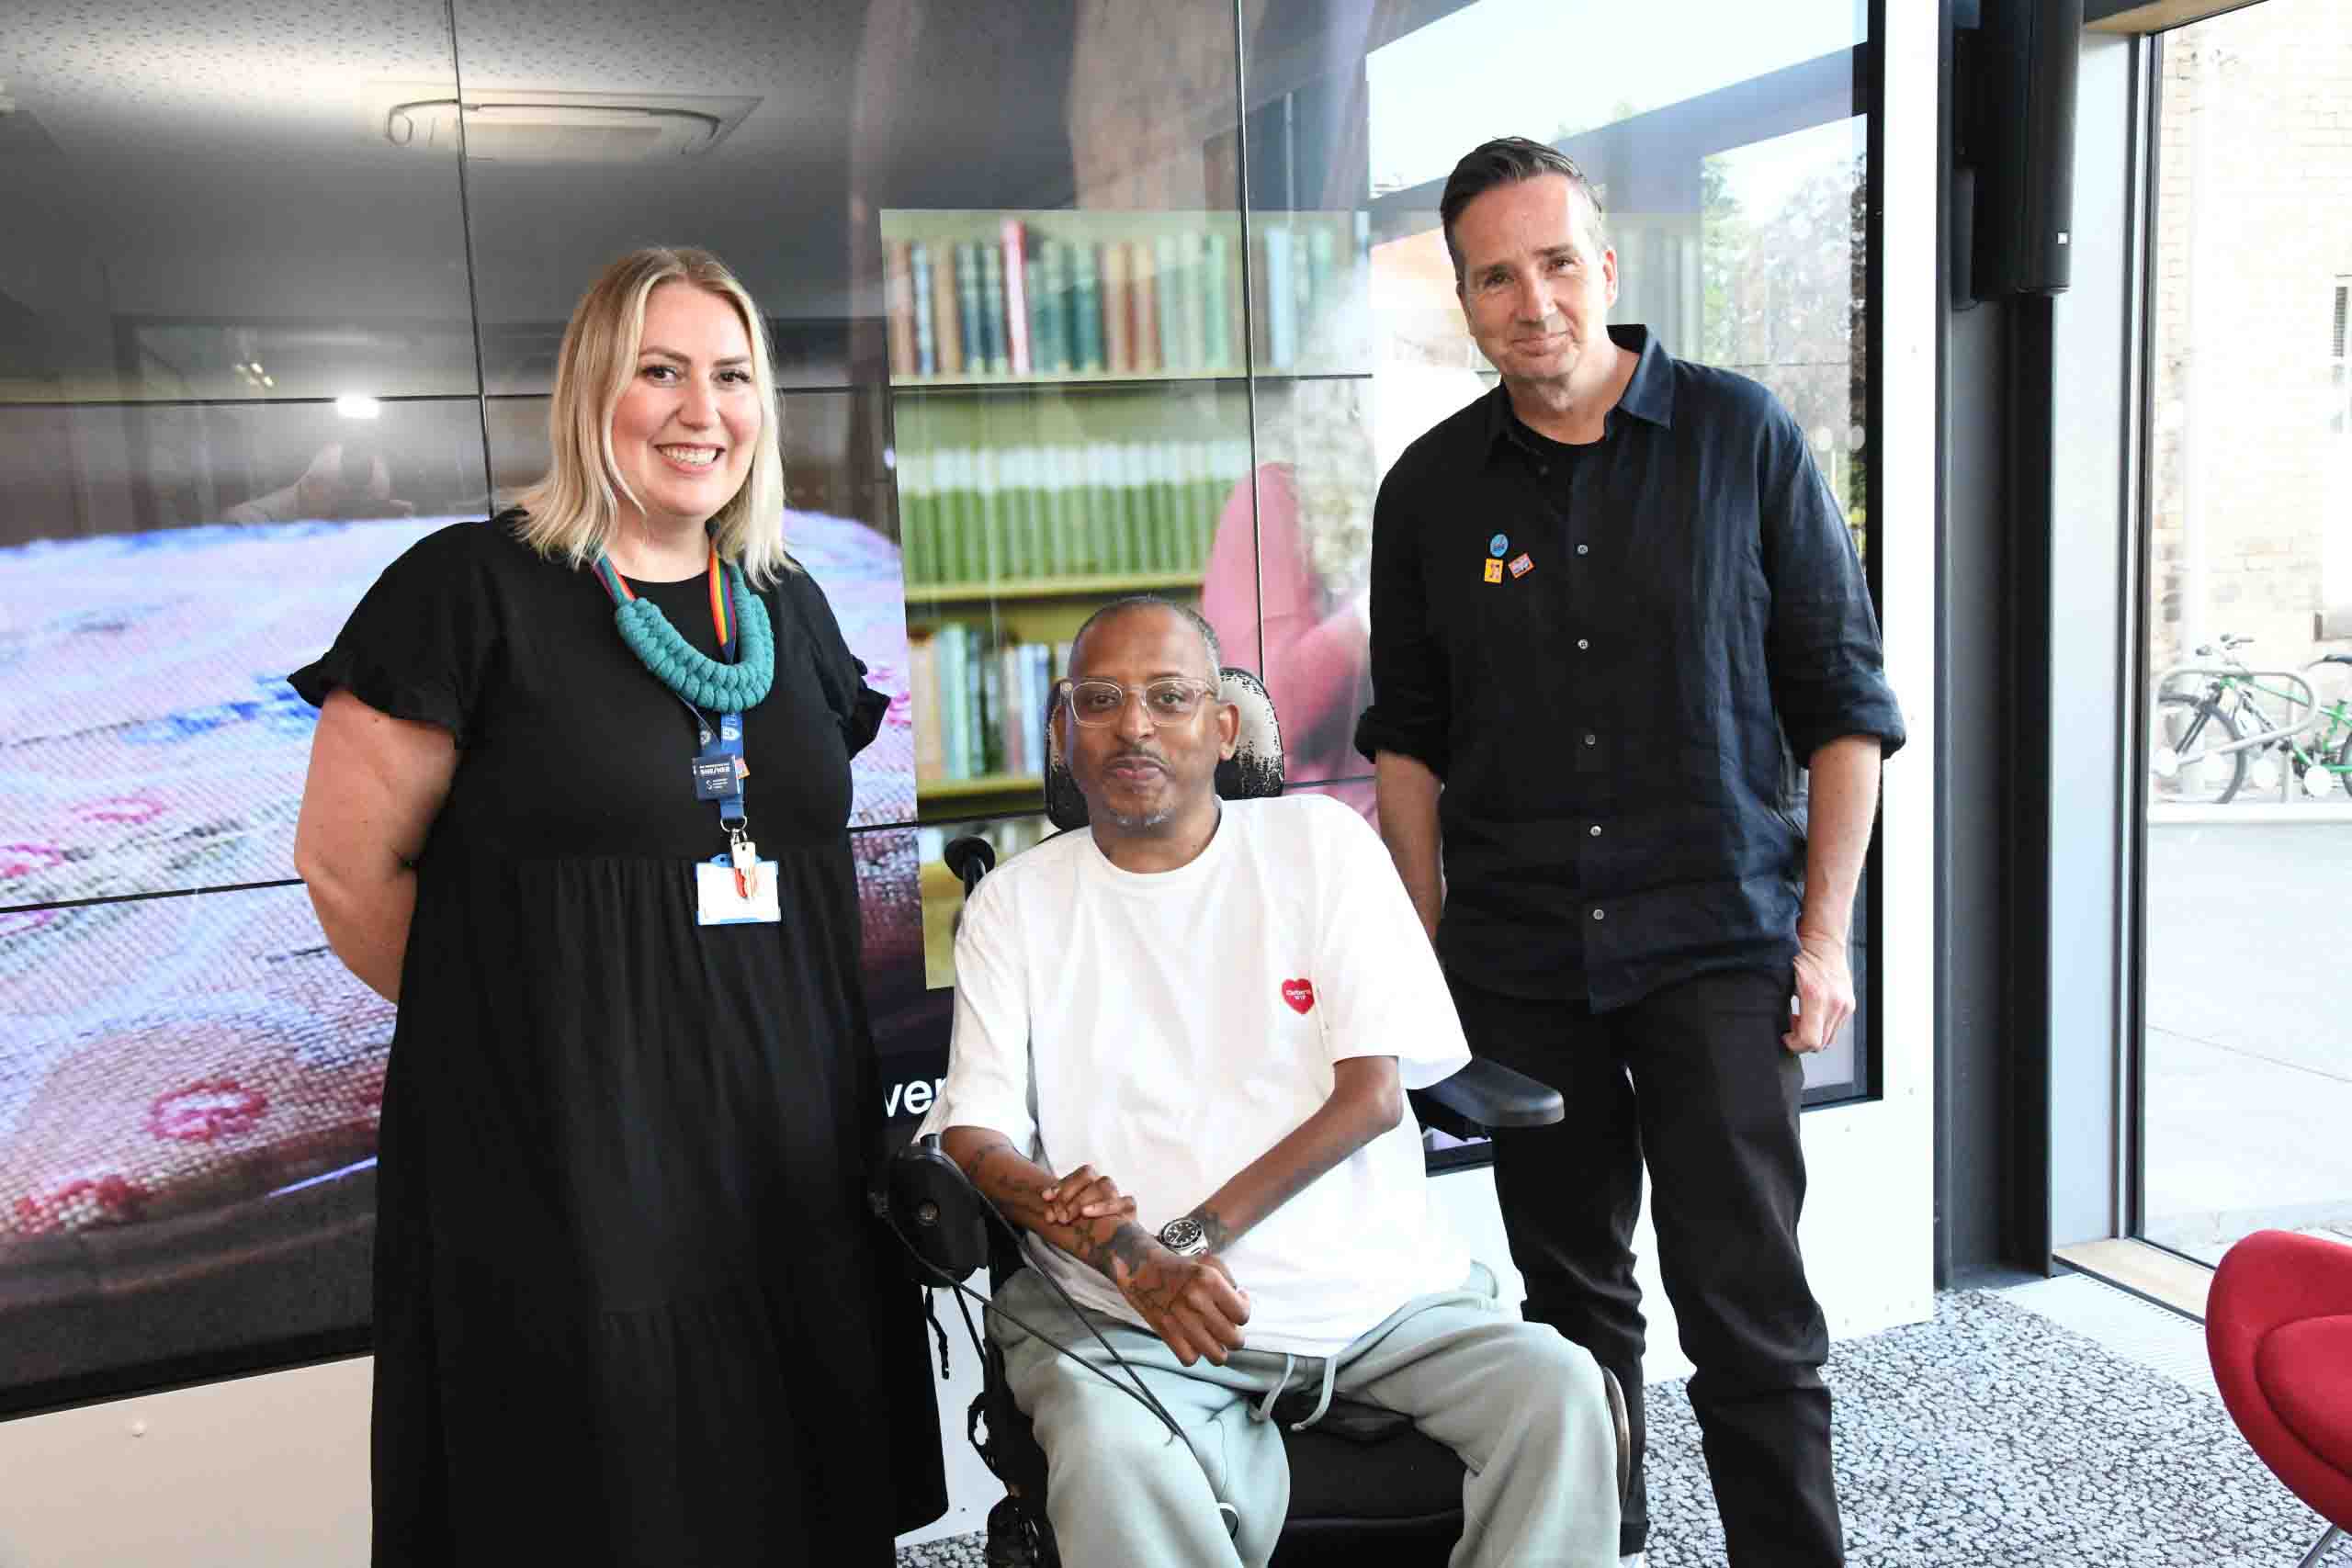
[737, 888]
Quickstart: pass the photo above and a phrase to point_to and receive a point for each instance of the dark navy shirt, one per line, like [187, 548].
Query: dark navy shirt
[1615, 656]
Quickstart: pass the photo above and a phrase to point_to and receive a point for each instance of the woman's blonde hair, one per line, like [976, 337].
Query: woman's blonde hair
[574, 509]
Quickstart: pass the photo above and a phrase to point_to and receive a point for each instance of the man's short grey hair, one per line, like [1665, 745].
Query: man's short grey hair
[1128, 602]
[1506, 161]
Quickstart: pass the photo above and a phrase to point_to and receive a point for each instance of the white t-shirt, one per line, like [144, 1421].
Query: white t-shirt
[1170, 1028]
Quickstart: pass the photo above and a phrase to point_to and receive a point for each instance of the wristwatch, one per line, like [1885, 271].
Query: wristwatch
[1184, 1238]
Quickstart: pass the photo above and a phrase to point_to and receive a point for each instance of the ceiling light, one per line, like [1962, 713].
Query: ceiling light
[352, 406]
[534, 127]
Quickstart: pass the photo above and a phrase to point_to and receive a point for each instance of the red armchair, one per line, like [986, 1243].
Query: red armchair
[2278, 1328]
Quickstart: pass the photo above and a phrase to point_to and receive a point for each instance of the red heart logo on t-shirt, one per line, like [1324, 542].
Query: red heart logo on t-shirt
[1299, 994]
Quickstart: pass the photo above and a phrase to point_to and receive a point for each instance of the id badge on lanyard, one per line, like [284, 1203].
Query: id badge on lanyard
[737, 887]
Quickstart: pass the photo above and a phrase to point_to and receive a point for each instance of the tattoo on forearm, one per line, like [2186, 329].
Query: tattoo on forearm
[1128, 1243]
[984, 1154]
[1212, 1226]
[1091, 1243]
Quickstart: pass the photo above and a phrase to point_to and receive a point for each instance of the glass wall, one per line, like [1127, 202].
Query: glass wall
[2246, 1050]
[1068, 300]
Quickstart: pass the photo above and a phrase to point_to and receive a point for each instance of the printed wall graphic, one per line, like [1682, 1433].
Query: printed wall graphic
[190, 1081]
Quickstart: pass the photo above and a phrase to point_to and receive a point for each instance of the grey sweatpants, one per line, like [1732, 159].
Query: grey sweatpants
[1521, 1406]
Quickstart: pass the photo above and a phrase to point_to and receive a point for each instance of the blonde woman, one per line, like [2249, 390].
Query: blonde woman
[578, 802]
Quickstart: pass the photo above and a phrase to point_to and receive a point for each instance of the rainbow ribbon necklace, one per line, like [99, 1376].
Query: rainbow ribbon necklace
[705, 682]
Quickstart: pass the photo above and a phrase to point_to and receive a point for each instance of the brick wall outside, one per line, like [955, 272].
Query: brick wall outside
[2246, 267]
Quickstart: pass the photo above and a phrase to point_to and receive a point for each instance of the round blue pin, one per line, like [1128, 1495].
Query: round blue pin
[1498, 545]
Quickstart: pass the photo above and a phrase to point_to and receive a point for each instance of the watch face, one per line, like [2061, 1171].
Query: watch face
[1183, 1237]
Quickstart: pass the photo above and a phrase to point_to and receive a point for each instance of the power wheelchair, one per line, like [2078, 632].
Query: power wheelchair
[1363, 1480]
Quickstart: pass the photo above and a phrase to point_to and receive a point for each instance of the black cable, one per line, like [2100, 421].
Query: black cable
[1140, 1392]
[1148, 1398]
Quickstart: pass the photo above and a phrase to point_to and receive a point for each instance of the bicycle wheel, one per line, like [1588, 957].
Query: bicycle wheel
[2184, 769]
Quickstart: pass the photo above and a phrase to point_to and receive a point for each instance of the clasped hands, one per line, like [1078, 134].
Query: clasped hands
[1192, 1304]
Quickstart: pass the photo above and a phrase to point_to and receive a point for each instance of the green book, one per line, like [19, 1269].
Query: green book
[1086, 308]
[992, 327]
[974, 531]
[948, 655]
[1193, 506]
[1134, 459]
[935, 537]
[1057, 298]
[1176, 545]
[1144, 517]
[1084, 540]
[1212, 497]
[926, 342]
[914, 518]
[943, 548]
[1168, 288]
[989, 714]
[1098, 540]
[969, 306]
[1046, 547]
[1216, 317]
[1047, 465]
[1033, 284]
[987, 483]
[1124, 515]
[1019, 511]
[1189, 301]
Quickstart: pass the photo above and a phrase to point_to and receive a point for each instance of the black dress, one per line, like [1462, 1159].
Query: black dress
[630, 1308]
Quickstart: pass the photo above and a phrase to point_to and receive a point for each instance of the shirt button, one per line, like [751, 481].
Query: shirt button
[1584, 549]
[1594, 830]
[1599, 915]
[1581, 644]
[1591, 739]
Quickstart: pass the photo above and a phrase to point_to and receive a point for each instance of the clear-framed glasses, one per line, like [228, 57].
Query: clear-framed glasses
[1169, 701]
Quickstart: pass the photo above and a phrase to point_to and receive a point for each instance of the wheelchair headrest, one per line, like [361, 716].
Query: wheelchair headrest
[1254, 771]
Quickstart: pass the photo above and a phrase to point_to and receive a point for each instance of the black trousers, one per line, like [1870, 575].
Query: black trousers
[1693, 1080]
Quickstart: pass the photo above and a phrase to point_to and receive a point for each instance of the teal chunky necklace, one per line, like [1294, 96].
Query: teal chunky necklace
[678, 664]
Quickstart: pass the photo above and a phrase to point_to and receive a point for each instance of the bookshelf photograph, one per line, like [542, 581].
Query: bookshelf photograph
[1070, 399]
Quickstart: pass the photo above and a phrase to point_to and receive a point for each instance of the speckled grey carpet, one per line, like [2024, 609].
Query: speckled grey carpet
[1993, 1438]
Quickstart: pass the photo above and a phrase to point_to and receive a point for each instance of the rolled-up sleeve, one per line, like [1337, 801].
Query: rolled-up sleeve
[1827, 669]
[988, 1054]
[1411, 711]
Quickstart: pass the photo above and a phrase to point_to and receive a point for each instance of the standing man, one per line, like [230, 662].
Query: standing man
[1613, 608]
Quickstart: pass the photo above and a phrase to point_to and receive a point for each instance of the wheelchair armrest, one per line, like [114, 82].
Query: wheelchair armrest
[1484, 1096]
[938, 1217]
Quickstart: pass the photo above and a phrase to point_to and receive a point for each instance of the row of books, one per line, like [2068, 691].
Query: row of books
[1022, 304]
[980, 704]
[1005, 514]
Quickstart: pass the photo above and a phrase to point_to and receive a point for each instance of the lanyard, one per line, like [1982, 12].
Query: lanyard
[719, 767]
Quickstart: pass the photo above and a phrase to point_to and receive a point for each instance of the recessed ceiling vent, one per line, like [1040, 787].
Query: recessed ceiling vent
[520, 127]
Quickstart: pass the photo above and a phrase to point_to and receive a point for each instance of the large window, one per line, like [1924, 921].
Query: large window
[2246, 1051]
[1067, 301]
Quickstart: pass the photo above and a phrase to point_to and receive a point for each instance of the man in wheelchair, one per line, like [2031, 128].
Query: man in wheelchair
[1182, 1041]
